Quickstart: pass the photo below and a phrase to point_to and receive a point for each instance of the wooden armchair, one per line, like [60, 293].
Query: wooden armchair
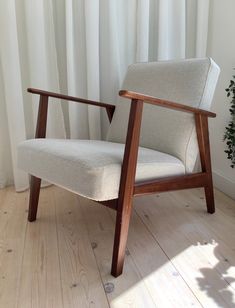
[136, 159]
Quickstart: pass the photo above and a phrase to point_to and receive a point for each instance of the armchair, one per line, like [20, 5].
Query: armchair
[152, 143]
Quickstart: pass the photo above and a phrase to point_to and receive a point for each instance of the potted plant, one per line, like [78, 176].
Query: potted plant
[229, 135]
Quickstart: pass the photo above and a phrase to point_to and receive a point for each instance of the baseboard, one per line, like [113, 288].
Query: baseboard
[223, 184]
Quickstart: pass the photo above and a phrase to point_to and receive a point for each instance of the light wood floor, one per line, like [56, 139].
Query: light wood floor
[177, 256]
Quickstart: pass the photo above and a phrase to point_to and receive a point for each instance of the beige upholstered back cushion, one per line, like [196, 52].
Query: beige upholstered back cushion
[191, 82]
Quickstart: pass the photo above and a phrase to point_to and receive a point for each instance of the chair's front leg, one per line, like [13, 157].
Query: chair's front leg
[126, 187]
[35, 182]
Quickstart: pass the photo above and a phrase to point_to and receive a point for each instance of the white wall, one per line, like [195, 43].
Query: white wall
[221, 47]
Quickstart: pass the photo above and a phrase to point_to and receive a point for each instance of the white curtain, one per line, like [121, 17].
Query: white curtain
[83, 48]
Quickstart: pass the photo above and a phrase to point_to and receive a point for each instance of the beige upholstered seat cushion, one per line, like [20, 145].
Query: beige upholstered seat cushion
[90, 168]
[191, 82]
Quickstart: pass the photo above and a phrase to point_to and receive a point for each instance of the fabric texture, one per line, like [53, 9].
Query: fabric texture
[191, 82]
[90, 168]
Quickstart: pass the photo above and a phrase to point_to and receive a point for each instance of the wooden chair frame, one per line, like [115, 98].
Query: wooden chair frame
[128, 189]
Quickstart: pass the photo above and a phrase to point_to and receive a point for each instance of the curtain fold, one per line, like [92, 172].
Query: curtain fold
[83, 48]
[142, 28]
[93, 69]
[12, 96]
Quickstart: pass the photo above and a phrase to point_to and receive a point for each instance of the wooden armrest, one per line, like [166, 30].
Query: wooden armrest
[109, 108]
[163, 103]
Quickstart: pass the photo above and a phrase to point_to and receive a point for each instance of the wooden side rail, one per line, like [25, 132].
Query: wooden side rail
[163, 103]
[109, 108]
[171, 183]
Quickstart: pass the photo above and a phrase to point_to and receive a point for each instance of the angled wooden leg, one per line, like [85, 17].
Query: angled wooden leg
[204, 149]
[126, 189]
[35, 184]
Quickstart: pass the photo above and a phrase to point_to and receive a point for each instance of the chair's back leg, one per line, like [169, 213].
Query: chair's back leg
[35, 184]
[210, 201]
[204, 149]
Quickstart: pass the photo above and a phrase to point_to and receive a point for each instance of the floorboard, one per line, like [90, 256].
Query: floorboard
[81, 283]
[40, 283]
[177, 254]
[13, 221]
[156, 270]
[180, 234]
[128, 290]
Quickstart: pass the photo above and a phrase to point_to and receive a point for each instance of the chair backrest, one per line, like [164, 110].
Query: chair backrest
[191, 82]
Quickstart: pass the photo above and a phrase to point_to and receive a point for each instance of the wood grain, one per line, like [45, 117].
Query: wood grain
[177, 254]
[129, 290]
[35, 185]
[42, 117]
[126, 188]
[40, 281]
[13, 224]
[168, 219]
[109, 108]
[81, 285]
[171, 183]
[205, 157]
[156, 270]
[164, 103]
[35, 182]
